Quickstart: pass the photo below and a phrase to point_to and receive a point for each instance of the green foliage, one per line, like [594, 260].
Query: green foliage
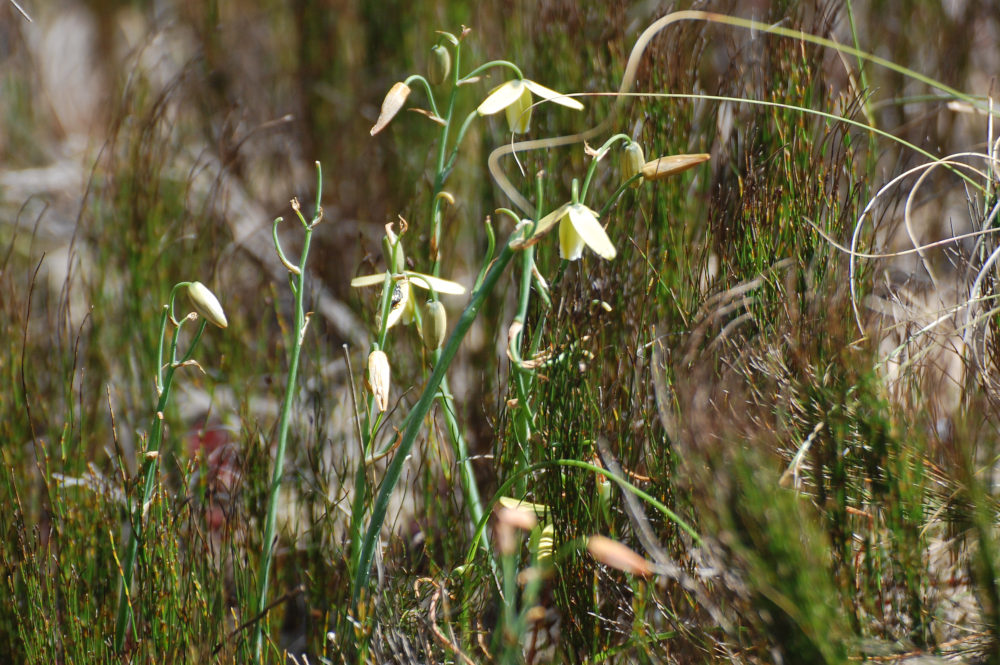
[706, 399]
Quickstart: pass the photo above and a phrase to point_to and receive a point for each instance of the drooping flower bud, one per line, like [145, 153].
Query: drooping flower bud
[378, 378]
[392, 251]
[439, 66]
[206, 304]
[632, 162]
[433, 324]
[658, 169]
[615, 554]
[393, 101]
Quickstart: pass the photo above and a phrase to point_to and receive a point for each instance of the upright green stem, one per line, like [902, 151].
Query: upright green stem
[415, 420]
[299, 330]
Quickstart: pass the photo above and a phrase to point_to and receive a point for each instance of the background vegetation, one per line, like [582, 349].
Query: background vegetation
[841, 482]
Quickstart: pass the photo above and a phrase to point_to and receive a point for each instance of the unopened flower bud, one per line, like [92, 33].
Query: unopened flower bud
[668, 166]
[206, 304]
[542, 543]
[439, 66]
[392, 251]
[632, 162]
[393, 101]
[433, 324]
[615, 554]
[378, 378]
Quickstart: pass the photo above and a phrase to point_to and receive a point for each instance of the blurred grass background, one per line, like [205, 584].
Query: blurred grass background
[143, 145]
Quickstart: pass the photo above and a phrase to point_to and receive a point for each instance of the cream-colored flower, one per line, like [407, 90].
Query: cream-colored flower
[206, 304]
[403, 301]
[514, 97]
[578, 226]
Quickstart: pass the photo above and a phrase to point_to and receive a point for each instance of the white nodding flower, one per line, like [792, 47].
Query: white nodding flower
[402, 304]
[394, 100]
[578, 226]
[206, 304]
[514, 97]
[378, 378]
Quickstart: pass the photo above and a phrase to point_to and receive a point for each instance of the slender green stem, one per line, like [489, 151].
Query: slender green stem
[298, 289]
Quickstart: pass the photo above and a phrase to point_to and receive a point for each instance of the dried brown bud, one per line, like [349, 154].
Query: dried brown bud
[615, 554]
[393, 101]
[668, 166]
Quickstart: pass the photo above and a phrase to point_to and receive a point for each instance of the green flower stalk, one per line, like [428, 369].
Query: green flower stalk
[297, 274]
[208, 308]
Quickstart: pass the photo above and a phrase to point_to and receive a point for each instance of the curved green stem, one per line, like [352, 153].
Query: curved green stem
[489, 65]
[427, 88]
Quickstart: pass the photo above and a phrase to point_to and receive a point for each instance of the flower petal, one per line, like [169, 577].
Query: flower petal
[519, 113]
[368, 280]
[585, 222]
[436, 283]
[570, 242]
[501, 97]
[543, 226]
[553, 96]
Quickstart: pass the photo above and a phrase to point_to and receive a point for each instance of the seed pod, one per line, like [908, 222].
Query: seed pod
[632, 162]
[439, 66]
[378, 378]
[433, 324]
[392, 251]
[206, 304]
